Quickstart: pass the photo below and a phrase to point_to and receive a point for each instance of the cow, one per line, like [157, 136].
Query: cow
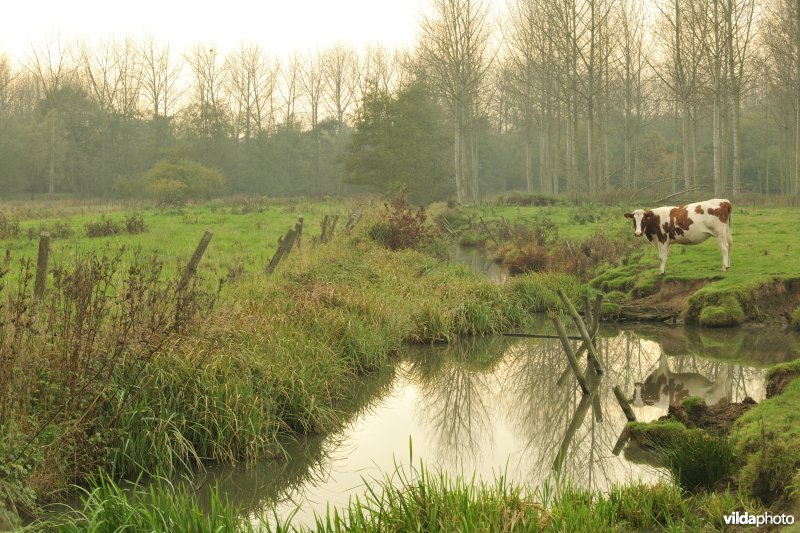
[663, 387]
[686, 224]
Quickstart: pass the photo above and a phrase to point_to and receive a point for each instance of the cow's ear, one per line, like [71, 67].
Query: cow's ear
[628, 215]
[648, 214]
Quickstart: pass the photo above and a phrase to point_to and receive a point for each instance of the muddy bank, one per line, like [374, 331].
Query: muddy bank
[685, 301]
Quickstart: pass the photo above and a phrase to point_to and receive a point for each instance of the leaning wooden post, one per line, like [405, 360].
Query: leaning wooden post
[191, 268]
[298, 228]
[488, 232]
[573, 362]
[584, 333]
[623, 402]
[279, 253]
[41, 265]
[324, 235]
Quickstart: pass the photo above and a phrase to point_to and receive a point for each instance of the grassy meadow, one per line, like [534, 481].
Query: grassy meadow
[760, 285]
[246, 231]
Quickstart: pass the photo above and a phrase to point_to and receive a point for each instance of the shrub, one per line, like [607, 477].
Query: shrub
[61, 229]
[9, 227]
[796, 318]
[102, 228]
[174, 182]
[524, 199]
[134, 224]
[402, 227]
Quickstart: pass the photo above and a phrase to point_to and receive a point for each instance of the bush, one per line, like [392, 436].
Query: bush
[102, 228]
[9, 227]
[175, 182]
[134, 224]
[524, 199]
[796, 318]
[402, 226]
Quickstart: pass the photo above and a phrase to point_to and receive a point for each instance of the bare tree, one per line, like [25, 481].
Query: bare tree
[209, 80]
[632, 64]
[454, 48]
[52, 64]
[251, 81]
[679, 41]
[739, 29]
[782, 39]
[159, 78]
[340, 75]
[290, 85]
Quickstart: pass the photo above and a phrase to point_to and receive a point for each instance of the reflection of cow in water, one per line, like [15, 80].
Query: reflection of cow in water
[663, 387]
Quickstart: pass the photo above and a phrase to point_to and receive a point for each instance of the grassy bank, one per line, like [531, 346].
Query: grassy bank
[417, 500]
[761, 286]
[757, 455]
[275, 356]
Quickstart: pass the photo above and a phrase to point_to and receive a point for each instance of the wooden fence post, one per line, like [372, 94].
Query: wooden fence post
[298, 228]
[41, 265]
[191, 267]
[573, 362]
[283, 249]
[595, 357]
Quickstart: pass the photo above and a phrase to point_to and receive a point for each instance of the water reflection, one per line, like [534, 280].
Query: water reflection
[475, 259]
[496, 405]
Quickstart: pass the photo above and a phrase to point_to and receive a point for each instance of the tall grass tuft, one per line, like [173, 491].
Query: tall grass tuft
[699, 461]
[160, 507]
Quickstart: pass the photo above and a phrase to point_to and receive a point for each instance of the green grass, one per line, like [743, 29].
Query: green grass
[160, 507]
[764, 258]
[411, 499]
[245, 233]
[767, 441]
[279, 356]
[426, 501]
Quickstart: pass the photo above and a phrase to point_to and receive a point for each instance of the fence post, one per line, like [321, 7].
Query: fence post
[191, 267]
[41, 264]
[323, 235]
[573, 362]
[587, 338]
[283, 248]
[298, 228]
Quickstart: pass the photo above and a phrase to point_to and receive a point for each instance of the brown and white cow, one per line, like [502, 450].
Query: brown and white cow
[686, 224]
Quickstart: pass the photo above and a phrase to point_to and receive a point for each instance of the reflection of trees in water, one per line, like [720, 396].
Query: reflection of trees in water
[304, 461]
[457, 384]
[463, 386]
[561, 427]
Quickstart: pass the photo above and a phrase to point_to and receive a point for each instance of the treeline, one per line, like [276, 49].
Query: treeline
[577, 96]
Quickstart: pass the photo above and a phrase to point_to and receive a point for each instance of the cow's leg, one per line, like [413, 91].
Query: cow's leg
[663, 252]
[725, 248]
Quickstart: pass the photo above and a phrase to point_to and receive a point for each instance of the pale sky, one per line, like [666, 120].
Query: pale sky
[280, 26]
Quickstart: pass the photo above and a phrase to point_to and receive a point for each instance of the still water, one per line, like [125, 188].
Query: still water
[499, 406]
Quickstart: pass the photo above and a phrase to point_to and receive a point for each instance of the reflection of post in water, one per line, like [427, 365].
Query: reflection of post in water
[577, 420]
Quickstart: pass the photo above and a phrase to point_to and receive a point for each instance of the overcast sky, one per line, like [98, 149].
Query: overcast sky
[280, 26]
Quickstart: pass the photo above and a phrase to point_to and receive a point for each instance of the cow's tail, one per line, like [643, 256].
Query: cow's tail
[729, 228]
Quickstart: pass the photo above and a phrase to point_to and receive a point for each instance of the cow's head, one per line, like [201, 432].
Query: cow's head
[641, 219]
